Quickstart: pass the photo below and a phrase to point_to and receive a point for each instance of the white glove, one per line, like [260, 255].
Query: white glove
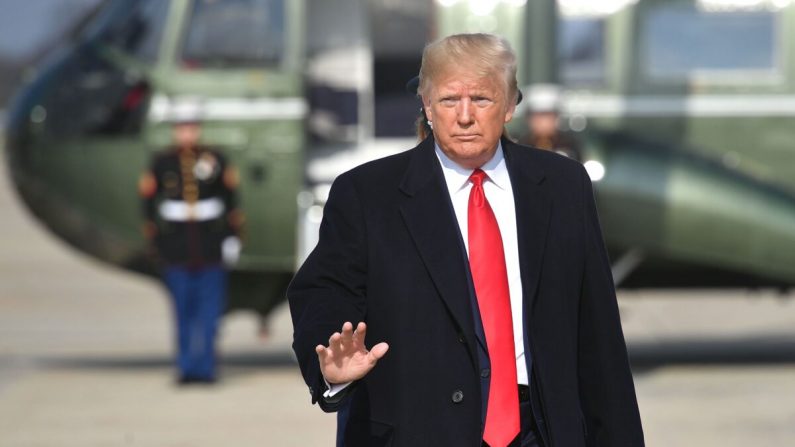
[230, 250]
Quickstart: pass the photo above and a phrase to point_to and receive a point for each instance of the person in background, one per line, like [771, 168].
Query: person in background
[543, 130]
[192, 223]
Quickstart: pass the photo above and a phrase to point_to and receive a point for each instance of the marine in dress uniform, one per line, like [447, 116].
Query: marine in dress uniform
[193, 223]
[542, 119]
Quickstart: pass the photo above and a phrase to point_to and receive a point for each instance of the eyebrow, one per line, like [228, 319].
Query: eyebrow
[472, 94]
[443, 96]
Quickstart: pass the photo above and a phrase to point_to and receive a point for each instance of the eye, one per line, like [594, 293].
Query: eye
[481, 101]
[448, 101]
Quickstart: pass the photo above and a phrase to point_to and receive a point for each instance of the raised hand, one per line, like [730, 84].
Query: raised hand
[346, 358]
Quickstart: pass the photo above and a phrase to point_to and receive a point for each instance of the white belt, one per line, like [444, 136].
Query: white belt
[181, 211]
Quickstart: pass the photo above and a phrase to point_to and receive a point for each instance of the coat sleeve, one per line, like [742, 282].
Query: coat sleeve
[330, 287]
[607, 392]
[148, 188]
[229, 185]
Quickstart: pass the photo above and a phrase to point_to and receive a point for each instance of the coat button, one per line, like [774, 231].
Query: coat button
[485, 372]
[461, 338]
[458, 396]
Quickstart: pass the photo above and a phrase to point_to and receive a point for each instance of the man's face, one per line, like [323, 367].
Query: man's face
[468, 114]
[543, 124]
[186, 135]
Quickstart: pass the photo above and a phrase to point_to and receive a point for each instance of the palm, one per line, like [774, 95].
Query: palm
[347, 359]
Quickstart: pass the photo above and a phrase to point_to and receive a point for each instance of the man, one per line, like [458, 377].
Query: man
[542, 124]
[192, 222]
[478, 269]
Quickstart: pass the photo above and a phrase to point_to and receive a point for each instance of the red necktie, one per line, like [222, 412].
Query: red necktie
[487, 263]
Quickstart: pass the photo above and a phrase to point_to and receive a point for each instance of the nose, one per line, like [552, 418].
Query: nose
[464, 114]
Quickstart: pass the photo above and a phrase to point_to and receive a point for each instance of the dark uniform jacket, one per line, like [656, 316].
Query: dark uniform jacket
[390, 254]
[563, 143]
[191, 206]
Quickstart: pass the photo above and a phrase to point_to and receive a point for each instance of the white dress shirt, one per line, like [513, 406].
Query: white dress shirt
[499, 193]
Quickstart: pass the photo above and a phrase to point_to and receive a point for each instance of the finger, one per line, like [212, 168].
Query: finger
[347, 335]
[358, 336]
[321, 352]
[378, 352]
[334, 342]
[361, 330]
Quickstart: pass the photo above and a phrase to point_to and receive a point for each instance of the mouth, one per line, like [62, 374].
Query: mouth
[467, 137]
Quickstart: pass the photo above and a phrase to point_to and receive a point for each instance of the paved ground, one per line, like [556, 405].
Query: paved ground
[85, 361]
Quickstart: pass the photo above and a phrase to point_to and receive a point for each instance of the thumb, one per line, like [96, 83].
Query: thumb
[378, 351]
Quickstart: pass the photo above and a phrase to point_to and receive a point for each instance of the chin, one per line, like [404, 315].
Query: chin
[471, 157]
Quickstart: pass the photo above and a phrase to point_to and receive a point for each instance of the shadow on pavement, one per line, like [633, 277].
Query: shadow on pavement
[647, 356]
[644, 356]
[237, 360]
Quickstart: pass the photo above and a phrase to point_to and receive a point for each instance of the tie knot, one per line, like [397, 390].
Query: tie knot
[477, 177]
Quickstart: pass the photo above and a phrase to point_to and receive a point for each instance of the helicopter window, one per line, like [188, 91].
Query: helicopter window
[681, 41]
[139, 31]
[93, 97]
[581, 49]
[234, 33]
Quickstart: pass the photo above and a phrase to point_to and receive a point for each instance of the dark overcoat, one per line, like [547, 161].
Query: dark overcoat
[390, 255]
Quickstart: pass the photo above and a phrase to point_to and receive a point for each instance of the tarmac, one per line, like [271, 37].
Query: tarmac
[86, 360]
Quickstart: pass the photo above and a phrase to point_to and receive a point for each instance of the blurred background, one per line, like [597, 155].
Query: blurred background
[681, 110]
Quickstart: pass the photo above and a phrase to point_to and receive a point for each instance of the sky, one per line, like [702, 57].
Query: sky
[25, 25]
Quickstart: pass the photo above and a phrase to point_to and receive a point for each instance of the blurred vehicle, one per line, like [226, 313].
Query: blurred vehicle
[685, 110]
[93, 110]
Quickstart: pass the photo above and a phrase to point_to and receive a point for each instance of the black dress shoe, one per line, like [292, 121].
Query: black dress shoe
[192, 380]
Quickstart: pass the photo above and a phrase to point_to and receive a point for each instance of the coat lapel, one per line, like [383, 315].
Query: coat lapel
[429, 217]
[533, 207]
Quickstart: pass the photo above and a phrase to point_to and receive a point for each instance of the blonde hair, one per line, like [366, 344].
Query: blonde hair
[485, 55]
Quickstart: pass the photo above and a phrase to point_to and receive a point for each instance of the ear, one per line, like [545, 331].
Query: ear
[426, 104]
[509, 113]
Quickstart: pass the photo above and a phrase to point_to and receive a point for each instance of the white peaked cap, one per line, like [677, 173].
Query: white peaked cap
[543, 98]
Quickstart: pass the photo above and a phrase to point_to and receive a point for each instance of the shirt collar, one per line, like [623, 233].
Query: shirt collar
[457, 177]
